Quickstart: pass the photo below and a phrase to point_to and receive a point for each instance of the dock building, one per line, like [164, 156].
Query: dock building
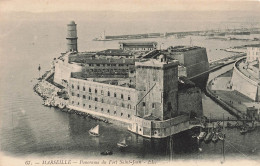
[139, 88]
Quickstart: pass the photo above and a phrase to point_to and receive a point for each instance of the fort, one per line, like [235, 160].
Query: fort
[146, 88]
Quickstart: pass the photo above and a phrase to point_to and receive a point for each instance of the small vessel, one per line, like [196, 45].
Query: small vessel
[243, 131]
[229, 125]
[251, 128]
[122, 144]
[202, 135]
[94, 131]
[215, 137]
[209, 137]
[221, 136]
[107, 152]
[210, 133]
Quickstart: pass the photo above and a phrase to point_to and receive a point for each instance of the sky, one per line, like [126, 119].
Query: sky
[39, 6]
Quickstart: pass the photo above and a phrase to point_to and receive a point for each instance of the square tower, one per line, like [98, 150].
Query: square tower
[157, 88]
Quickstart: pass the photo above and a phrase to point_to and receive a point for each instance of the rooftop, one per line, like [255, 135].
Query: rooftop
[157, 63]
[182, 48]
[115, 52]
[124, 82]
[138, 43]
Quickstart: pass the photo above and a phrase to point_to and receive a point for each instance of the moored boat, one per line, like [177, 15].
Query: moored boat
[107, 152]
[202, 135]
[215, 137]
[243, 131]
[221, 136]
[209, 137]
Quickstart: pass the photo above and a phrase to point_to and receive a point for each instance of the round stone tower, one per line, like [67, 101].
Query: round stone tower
[72, 37]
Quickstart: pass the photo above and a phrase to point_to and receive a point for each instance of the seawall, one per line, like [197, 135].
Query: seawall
[243, 83]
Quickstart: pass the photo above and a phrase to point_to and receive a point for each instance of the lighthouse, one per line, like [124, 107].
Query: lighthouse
[72, 38]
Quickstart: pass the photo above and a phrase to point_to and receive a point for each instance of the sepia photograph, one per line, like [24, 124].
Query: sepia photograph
[129, 82]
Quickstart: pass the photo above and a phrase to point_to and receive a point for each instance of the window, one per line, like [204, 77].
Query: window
[84, 96]
[95, 108]
[108, 111]
[89, 106]
[95, 90]
[96, 99]
[78, 103]
[72, 94]
[84, 89]
[129, 98]
[122, 96]
[102, 109]
[78, 95]
[78, 87]
[123, 105]
[72, 86]
[72, 102]
[129, 106]
[153, 105]
[102, 92]
[128, 116]
[108, 93]
[115, 112]
[114, 94]
[89, 89]
[102, 100]
[84, 105]
[98, 64]
[122, 114]
[89, 97]
[143, 104]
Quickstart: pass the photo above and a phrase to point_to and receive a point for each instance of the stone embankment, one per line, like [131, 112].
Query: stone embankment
[223, 104]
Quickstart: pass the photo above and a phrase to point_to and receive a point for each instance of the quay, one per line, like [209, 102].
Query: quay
[236, 90]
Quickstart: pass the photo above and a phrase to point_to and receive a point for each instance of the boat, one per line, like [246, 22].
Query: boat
[215, 137]
[209, 137]
[94, 131]
[221, 136]
[243, 131]
[251, 128]
[201, 135]
[210, 133]
[122, 144]
[107, 152]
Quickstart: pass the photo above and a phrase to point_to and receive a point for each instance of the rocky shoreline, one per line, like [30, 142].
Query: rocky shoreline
[52, 97]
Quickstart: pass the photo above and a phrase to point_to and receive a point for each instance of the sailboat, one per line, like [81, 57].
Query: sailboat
[122, 144]
[94, 131]
[209, 134]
